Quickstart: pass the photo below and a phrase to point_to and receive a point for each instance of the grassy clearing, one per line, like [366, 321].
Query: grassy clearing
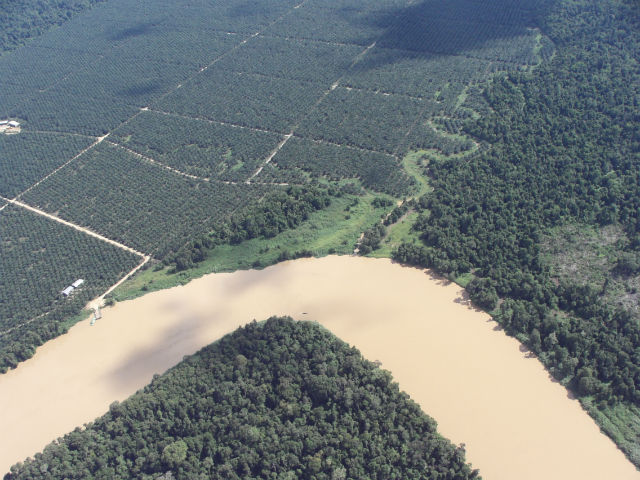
[414, 163]
[462, 97]
[464, 279]
[397, 233]
[538, 46]
[621, 423]
[587, 255]
[333, 230]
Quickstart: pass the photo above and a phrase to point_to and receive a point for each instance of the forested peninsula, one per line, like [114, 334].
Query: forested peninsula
[275, 399]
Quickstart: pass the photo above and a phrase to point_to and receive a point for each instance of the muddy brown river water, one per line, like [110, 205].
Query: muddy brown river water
[478, 384]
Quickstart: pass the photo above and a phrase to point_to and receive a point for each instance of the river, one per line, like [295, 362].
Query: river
[482, 388]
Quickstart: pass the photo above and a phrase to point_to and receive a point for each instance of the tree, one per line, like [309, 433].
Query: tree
[174, 453]
[483, 293]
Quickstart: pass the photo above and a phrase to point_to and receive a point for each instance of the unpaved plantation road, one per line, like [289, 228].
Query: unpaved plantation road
[473, 379]
[99, 140]
[99, 302]
[74, 226]
[270, 157]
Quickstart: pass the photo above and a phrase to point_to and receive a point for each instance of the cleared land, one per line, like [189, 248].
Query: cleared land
[477, 383]
[187, 104]
[28, 157]
[38, 259]
[161, 210]
[202, 148]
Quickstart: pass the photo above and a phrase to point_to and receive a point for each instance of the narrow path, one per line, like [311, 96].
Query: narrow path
[318, 102]
[98, 302]
[209, 120]
[148, 159]
[356, 250]
[9, 330]
[73, 225]
[158, 164]
[270, 157]
[55, 132]
[391, 94]
[99, 140]
[262, 130]
[335, 85]
[344, 145]
[312, 40]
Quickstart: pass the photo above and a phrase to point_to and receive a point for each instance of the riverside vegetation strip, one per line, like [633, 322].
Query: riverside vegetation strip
[553, 168]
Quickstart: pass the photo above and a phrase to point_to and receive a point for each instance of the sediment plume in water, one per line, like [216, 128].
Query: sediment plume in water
[479, 385]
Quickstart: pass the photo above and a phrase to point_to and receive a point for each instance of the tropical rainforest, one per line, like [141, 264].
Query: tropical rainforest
[275, 399]
[563, 148]
[22, 20]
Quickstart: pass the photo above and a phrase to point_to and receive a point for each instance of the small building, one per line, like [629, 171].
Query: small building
[77, 283]
[4, 122]
[67, 291]
[14, 124]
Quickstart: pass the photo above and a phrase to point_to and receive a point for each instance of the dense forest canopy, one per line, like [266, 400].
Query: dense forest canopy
[279, 399]
[562, 148]
[22, 20]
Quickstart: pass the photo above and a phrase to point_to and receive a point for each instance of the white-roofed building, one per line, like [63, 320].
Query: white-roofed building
[67, 291]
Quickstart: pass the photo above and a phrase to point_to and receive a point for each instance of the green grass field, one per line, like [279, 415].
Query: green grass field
[397, 233]
[414, 163]
[620, 422]
[332, 230]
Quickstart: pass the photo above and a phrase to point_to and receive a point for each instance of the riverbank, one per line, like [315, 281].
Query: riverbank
[478, 384]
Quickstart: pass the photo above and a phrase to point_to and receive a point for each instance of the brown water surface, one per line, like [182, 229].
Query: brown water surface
[454, 361]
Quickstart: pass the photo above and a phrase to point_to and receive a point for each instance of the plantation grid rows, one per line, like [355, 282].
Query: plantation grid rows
[144, 125]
